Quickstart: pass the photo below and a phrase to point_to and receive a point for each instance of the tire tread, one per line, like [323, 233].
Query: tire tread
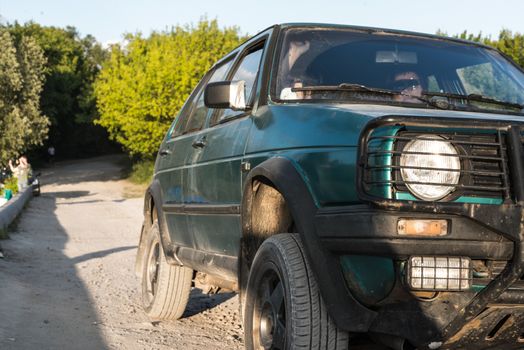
[174, 286]
[312, 327]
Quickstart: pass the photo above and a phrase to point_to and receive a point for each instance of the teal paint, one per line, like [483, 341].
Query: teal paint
[477, 288]
[319, 139]
[464, 199]
[369, 278]
[383, 160]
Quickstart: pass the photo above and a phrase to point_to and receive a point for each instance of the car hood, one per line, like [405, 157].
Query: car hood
[376, 111]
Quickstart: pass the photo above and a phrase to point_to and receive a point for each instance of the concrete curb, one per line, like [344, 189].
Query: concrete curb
[10, 210]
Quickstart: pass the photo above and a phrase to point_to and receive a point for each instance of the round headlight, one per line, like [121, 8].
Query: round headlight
[417, 169]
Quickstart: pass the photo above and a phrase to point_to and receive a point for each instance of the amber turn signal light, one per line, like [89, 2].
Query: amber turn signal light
[416, 227]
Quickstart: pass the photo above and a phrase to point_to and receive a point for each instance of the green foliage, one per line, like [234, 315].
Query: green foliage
[67, 98]
[11, 184]
[482, 79]
[511, 44]
[22, 125]
[142, 172]
[144, 84]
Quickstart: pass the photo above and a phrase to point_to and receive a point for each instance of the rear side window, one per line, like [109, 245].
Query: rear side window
[196, 114]
[185, 113]
[247, 70]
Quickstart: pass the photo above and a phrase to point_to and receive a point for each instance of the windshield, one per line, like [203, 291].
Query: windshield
[313, 59]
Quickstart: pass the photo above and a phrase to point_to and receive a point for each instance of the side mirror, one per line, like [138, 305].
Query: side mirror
[226, 94]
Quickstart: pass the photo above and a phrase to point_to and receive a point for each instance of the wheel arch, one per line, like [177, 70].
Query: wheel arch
[280, 174]
[283, 175]
[152, 210]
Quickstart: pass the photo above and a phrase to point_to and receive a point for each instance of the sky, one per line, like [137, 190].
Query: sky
[109, 20]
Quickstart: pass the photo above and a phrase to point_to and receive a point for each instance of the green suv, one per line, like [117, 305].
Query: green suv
[349, 183]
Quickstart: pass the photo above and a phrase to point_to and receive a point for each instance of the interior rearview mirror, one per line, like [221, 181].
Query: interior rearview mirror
[396, 57]
[226, 94]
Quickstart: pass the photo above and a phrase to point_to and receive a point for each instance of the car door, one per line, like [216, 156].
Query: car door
[171, 162]
[214, 177]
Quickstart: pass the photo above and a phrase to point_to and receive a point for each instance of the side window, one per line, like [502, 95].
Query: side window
[485, 79]
[432, 84]
[186, 111]
[473, 78]
[199, 111]
[247, 70]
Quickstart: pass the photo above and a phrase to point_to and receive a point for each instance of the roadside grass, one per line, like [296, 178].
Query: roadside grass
[139, 174]
[134, 191]
[142, 172]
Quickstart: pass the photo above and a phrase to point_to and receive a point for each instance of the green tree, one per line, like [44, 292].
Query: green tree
[22, 125]
[511, 44]
[32, 62]
[145, 82]
[67, 98]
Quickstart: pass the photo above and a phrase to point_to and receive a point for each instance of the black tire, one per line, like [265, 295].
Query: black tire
[36, 190]
[165, 287]
[284, 309]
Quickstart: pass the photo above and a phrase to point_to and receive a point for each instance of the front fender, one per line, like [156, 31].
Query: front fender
[285, 176]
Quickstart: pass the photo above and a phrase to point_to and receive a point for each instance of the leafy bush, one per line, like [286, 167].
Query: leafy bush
[11, 184]
[142, 172]
[143, 85]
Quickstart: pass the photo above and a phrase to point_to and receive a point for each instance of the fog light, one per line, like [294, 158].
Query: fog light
[439, 273]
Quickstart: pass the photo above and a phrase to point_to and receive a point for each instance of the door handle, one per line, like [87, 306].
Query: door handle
[165, 152]
[199, 143]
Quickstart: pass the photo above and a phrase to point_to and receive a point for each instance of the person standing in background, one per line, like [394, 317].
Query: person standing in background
[21, 171]
[50, 154]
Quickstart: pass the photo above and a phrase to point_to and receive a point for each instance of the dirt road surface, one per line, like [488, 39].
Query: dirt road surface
[67, 280]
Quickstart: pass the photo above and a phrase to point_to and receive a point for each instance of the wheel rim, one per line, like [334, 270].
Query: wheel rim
[269, 323]
[153, 264]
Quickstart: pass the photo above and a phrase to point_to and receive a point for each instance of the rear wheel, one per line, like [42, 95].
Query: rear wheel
[284, 309]
[165, 287]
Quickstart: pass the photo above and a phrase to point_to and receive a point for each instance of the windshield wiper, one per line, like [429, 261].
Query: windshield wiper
[358, 88]
[438, 103]
[346, 87]
[476, 98]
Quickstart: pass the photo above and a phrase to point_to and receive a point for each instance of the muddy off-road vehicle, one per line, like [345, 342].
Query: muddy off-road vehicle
[347, 181]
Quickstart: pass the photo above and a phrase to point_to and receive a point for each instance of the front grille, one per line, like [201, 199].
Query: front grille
[483, 158]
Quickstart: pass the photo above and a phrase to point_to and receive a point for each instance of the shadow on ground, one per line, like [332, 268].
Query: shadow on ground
[43, 302]
[199, 301]
[105, 168]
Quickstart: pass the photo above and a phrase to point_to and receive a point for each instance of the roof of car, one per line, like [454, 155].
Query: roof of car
[358, 28]
[377, 30]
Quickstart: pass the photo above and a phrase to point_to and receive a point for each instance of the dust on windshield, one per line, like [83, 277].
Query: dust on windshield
[322, 63]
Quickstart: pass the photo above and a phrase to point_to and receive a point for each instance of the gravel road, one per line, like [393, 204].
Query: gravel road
[67, 280]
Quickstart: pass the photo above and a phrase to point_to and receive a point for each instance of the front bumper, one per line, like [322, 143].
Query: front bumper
[480, 231]
[362, 230]
[482, 317]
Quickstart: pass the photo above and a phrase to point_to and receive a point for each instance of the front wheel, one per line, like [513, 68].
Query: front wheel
[165, 287]
[284, 309]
